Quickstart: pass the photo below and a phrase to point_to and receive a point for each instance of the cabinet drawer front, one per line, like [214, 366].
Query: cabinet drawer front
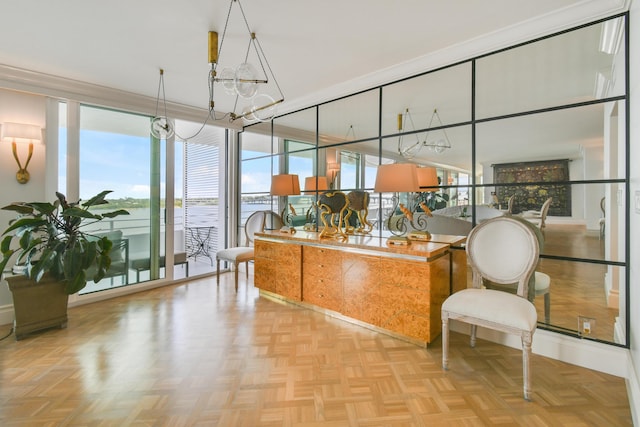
[321, 263]
[264, 249]
[322, 292]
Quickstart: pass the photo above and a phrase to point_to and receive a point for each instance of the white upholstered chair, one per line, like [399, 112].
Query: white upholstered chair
[505, 251]
[257, 222]
[539, 218]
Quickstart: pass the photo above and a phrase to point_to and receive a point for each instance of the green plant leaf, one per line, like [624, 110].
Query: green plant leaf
[23, 224]
[5, 246]
[21, 208]
[77, 283]
[76, 212]
[114, 214]
[42, 208]
[98, 199]
[7, 255]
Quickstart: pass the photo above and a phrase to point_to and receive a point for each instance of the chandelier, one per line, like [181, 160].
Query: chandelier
[244, 80]
[437, 145]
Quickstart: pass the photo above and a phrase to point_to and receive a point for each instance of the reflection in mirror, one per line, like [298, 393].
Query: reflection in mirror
[256, 144]
[581, 222]
[588, 136]
[351, 118]
[448, 91]
[580, 65]
[256, 167]
[578, 289]
[298, 126]
[510, 146]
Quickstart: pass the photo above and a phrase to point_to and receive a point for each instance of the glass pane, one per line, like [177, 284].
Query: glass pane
[448, 91]
[591, 138]
[203, 219]
[257, 145]
[596, 300]
[298, 126]
[568, 68]
[457, 158]
[113, 146]
[349, 119]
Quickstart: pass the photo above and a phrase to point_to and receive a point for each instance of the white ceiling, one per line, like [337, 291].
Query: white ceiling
[310, 45]
[317, 50]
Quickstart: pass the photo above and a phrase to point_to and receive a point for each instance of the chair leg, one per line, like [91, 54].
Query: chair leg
[472, 341]
[547, 308]
[445, 343]
[246, 269]
[236, 276]
[218, 270]
[526, 367]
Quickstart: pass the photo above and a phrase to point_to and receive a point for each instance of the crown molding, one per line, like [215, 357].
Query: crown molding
[62, 88]
[578, 14]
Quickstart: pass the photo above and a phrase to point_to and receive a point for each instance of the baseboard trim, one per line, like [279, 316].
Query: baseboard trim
[6, 314]
[599, 357]
[633, 391]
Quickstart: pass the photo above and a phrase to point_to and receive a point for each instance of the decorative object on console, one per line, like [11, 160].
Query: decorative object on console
[243, 81]
[161, 126]
[21, 133]
[285, 185]
[333, 203]
[358, 203]
[398, 178]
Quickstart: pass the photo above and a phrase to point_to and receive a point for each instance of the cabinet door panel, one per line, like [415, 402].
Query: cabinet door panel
[288, 272]
[360, 277]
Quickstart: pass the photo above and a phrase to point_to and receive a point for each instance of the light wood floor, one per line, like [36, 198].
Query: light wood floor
[195, 355]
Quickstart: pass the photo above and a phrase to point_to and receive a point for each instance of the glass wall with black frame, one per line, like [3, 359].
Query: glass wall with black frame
[546, 119]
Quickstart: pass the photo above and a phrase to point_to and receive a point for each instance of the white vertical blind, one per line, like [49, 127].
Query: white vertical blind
[201, 192]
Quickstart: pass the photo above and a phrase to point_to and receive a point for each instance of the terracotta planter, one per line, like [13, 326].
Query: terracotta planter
[37, 306]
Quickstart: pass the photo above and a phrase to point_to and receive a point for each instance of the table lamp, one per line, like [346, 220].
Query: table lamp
[397, 178]
[285, 185]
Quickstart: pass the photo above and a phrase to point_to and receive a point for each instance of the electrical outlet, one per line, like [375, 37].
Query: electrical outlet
[586, 325]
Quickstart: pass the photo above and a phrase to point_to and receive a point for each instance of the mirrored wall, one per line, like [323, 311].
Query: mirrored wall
[538, 131]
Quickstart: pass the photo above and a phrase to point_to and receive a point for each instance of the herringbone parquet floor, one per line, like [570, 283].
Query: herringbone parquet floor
[194, 355]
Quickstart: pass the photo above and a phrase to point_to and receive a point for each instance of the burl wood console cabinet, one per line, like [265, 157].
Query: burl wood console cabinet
[394, 289]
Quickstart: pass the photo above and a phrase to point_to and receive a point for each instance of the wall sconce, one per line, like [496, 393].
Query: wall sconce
[285, 185]
[332, 173]
[21, 133]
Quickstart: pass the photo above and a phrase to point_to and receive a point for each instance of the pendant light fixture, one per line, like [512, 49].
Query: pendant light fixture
[161, 126]
[244, 80]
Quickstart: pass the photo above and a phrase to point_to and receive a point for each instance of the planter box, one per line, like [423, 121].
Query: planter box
[37, 306]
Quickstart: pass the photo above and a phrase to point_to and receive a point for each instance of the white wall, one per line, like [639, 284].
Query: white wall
[18, 107]
[634, 266]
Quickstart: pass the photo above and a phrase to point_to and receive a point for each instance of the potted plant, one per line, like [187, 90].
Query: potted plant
[57, 255]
